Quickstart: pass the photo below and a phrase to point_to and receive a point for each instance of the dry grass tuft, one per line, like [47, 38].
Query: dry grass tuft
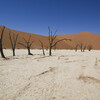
[88, 79]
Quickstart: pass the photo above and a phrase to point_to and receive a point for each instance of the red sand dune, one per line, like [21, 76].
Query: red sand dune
[85, 37]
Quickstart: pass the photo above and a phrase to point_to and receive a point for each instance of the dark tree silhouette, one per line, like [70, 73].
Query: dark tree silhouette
[42, 46]
[90, 47]
[1, 48]
[82, 46]
[27, 45]
[76, 47]
[13, 42]
[52, 42]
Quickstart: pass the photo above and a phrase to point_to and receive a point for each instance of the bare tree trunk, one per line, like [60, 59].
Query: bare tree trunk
[90, 47]
[42, 46]
[76, 47]
[13, 52]
[82, 48]
[13, 42]
[28, 45]
[50, 54]
[43, 52]
[52, 43]
[29, 53]
[1, 49]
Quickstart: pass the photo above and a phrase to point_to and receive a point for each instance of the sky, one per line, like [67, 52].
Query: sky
[67, 16]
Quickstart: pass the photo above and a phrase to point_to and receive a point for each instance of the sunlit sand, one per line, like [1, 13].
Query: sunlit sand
[66, 75]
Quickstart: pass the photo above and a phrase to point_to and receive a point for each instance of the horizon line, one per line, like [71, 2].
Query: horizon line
[47, 35]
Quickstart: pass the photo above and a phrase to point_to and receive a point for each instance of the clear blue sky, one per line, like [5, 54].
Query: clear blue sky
[67, 16]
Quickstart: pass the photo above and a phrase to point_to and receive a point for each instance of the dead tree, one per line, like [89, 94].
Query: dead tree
[76, 47]
[84, 48]
[1, 48]
[89, 47]
[81, 46]
[42, 46]
[27, 45]
[52, 42]
[13, 42]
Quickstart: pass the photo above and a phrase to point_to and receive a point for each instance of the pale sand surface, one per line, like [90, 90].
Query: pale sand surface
[67, 75]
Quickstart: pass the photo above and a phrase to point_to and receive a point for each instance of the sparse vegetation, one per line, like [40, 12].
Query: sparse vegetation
[76, 47]
[42, 46]
[13, 42]
[53, 41]
[90, 47]
[27, 45]
[1, 48]
[82, 46]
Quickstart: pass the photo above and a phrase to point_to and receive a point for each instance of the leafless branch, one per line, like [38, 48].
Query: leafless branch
[28, 44]
[52, 37]
[13, 42]
[1, 48]
[90, 47]
[42, 46]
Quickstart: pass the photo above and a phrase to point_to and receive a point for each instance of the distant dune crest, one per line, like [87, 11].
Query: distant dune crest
[86, 37]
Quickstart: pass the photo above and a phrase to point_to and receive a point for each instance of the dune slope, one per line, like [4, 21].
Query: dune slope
[86, 37]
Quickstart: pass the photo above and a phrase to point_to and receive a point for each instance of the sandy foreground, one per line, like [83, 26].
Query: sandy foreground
[67, 75]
